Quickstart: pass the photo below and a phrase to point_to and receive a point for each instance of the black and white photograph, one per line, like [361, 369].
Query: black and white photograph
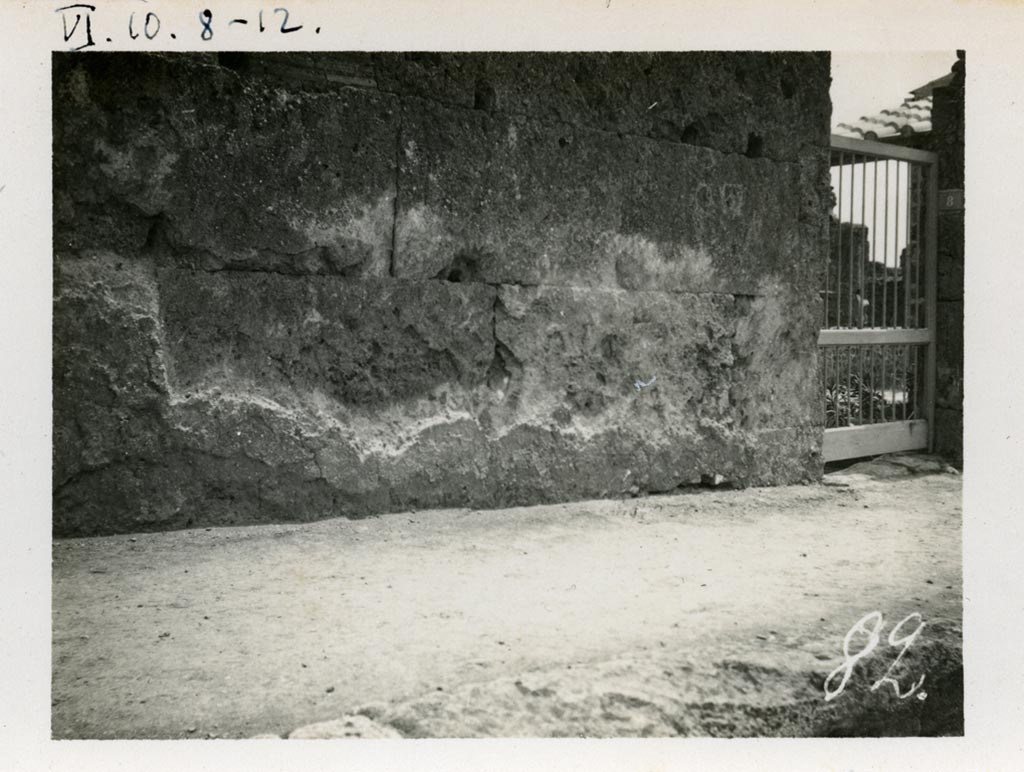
[505, 395]
[560, 393]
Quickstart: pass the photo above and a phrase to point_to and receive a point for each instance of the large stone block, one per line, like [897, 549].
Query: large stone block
[776, 357]
[204, 169]
[718, 370]
[361, 344]
[509, 200]
[110, 432]
[759, 104]
[753, 103]
[109, 385]
[253, 459]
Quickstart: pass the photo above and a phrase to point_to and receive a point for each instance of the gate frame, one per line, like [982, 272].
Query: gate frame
[873, 439]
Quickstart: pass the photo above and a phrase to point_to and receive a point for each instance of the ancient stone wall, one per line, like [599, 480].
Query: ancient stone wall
[298, 286]
[948, 142]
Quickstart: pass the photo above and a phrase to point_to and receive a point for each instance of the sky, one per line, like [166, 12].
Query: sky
[865, 82]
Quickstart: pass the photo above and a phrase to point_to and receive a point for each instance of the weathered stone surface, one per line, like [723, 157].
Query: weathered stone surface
[948, 126]
[292, 287]
[319, 71]
[717, 359]
[269, 397]
[950, 262]
[509, 200]
[206, 170]
[362, 344]
[759, 104]
[579, 418]
[949, 432]
[109, 395]
[949, 375]
[108, 375]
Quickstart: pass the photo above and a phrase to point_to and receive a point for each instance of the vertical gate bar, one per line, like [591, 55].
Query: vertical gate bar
[915, 241]
[924, 379]
[931, 259]
[831, 369]
[849, 380]
[828, 261]
[906, 262]
[839, 247]
[896, 253]
[828, 355]
[824, 383]
[906, 293]
[911, 242]
[860, 384]
[913, 376]
[850, 391]
[863, 222]
[911, 381]
[885, 402]
[852, 383]
[895, 381]
[849, 291]
[839, 386]
[841, 394]
[833, 353]
[834, 363]
[870, 384]
[897, 364]
[906, 379]
[853, 231]
[913, 371]
[836, 385]
[874, 237]
[919, 252]
[875, 417]
[917, 382]
[885, 256]
[880, 351]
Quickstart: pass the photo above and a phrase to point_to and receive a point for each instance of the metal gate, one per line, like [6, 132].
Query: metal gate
[877, 343]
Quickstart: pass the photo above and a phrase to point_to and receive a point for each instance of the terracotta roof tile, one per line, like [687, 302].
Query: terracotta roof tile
[914, 116]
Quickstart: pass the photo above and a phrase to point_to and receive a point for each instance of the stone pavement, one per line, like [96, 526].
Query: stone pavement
[716, 612]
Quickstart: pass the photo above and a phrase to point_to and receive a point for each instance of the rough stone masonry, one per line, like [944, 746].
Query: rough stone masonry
[298, 286]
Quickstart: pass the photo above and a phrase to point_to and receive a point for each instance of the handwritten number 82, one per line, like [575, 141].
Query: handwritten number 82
[871, 625]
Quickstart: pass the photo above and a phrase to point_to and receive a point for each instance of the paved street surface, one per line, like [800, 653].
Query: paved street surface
[701, 613]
